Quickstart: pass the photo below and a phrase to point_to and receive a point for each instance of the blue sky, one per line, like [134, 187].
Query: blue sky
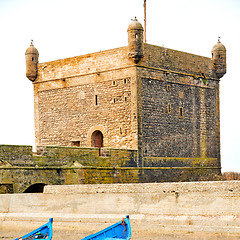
[63, 29]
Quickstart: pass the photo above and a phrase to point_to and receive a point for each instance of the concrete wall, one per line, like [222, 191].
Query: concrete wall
[193, 206]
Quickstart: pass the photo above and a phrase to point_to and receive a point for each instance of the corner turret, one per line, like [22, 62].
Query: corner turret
[31, 56]
[135, 40]
[219, 59]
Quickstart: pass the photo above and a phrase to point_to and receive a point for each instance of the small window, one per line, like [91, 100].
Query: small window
[136, 36]
[76, 143]
[125, 99]
[113, 83]
[125, 81]
[168, 88]
[96, 99]
[169, 108]
[32, 58]
[114, 100]
[180, 112]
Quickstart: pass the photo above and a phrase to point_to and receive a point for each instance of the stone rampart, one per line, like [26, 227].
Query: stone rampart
[21, 169]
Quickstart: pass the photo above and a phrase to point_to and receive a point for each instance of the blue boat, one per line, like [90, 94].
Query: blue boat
[118, 231]
[43, 232]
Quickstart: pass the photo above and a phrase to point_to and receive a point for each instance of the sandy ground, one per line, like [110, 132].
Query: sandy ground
[7, 234]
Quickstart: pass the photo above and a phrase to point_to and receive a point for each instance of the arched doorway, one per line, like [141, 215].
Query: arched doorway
[35, 188]
[97, 139]
[93, 131]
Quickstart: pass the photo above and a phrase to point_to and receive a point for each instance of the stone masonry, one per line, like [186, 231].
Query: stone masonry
[160, 102]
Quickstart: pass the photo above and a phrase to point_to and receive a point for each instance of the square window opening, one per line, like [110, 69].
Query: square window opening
[76, 143]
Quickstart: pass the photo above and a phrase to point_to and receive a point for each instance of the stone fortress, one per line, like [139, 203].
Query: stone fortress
[139, 113]
[135, 114]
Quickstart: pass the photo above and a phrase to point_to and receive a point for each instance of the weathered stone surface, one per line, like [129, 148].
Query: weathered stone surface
[154, 207]
[23, 171]
[140, 113]
[166, 107]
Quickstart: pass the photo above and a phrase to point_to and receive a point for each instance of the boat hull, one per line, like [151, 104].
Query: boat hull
[43, 232]
[118, 231]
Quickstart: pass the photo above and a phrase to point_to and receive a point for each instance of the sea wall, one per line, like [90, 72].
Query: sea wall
[187, 206]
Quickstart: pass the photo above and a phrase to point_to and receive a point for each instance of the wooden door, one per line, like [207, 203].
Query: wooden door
[98, 139]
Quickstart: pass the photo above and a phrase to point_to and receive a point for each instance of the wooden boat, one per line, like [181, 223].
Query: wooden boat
[118, 231]
[43, 232]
